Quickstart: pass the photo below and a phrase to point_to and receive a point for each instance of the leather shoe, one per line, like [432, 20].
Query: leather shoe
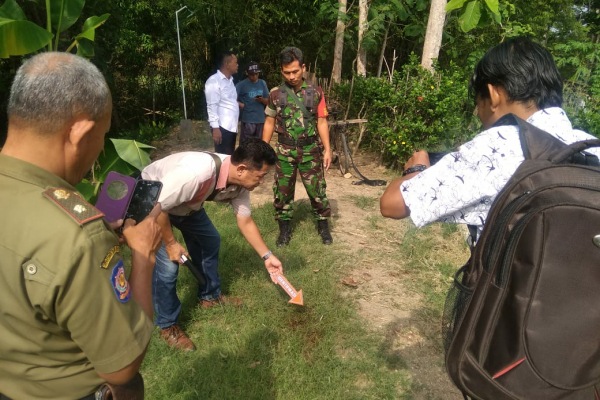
[176, 338]
[222, 300]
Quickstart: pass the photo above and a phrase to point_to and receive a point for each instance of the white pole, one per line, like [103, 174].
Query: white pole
[180, 62]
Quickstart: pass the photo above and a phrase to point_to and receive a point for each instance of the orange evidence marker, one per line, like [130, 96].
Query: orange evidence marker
[296, 296]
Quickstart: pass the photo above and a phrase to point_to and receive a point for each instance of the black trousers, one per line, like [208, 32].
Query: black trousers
[227, 145]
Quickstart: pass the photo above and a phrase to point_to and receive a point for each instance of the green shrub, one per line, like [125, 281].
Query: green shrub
[416, 110]
[147, 132]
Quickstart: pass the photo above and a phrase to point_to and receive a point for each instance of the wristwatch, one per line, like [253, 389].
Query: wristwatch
[414, 168]
[267, 255]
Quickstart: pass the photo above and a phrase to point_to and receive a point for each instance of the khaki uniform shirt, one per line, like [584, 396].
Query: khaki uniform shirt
[66, 308]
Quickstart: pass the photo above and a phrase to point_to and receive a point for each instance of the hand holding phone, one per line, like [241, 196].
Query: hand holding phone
[143, 200]
[115, 195]
[123, 197]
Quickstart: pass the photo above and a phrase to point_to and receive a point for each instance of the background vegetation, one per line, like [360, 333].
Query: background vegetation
[320, 351]
[136, 48]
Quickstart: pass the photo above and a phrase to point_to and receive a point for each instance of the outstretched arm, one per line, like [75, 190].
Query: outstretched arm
[250, 231]
[391, 203]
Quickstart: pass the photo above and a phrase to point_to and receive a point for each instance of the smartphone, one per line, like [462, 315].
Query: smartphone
[114, 196]
[143, 200]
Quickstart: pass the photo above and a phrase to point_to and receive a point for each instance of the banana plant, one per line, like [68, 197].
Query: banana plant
[19, 36]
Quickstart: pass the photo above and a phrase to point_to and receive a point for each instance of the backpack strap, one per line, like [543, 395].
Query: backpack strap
[535, 143]
[538, 144]
[218, 162]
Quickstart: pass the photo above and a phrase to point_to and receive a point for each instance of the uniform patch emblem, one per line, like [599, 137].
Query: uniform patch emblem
[120, 283]
[111, 253]
[73, 204]
[79, 209]
[61, 194]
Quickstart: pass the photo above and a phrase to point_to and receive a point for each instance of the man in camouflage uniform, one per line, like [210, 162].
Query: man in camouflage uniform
[298, 113]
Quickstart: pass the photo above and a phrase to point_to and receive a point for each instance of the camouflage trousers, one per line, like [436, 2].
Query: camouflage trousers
[308, 161]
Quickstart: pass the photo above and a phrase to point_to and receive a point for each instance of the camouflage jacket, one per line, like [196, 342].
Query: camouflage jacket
[290, 120]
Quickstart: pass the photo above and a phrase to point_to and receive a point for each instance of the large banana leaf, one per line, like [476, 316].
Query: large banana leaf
[110, 159]
[71, 10]
[90, 25]
[84, 41]
[470, 17]
[11, 10]
[132, 152]
[17, 35]
[18, 38]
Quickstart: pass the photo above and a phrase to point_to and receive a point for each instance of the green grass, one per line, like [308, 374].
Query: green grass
[269, 349]
[364, 202]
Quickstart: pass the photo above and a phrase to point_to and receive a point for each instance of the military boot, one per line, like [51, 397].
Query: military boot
[323, 229]
[285, 233]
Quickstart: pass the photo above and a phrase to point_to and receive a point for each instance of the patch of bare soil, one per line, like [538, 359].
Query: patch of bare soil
[382, 292]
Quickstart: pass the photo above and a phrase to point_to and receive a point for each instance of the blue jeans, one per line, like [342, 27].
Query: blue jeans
[203, 242]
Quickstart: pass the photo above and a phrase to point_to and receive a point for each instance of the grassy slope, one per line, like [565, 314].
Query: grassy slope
[270, 349]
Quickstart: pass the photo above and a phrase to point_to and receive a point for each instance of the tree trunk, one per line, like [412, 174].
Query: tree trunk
[383, 46]
[361, 61]
[336, 72]
[433, 36]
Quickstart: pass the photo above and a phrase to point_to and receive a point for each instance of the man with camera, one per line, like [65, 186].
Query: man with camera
[517, 76]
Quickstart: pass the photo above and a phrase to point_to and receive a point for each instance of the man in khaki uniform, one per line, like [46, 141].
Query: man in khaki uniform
[72, 320]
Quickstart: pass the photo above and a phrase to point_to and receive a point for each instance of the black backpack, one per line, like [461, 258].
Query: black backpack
[522, 320]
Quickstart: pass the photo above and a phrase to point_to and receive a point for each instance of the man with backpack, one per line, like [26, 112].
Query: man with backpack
[517, 76]
[521, 320]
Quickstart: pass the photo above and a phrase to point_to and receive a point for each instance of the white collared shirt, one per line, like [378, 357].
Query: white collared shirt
[221, 102]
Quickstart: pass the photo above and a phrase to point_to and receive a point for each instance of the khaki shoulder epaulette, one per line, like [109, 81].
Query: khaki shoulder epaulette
[73, 204]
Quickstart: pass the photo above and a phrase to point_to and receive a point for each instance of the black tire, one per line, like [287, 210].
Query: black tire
[341, 152]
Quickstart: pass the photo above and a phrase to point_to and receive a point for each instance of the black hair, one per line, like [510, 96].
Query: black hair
[223, 56]
[254, 152]
[291, 54]
[524, 69]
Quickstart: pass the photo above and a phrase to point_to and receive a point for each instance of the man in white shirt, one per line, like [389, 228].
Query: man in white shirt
[518, 77]
[189, 179]
[222, 105]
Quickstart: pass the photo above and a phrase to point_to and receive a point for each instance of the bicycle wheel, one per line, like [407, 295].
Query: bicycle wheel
[340, 150]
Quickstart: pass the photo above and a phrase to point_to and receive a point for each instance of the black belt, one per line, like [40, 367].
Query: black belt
[288, 141]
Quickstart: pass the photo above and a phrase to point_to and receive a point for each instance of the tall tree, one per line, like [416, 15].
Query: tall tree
[336, 71]
[361, 59]
[433, 35]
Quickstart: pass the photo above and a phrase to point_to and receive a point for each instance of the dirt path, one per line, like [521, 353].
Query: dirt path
[375, 282]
